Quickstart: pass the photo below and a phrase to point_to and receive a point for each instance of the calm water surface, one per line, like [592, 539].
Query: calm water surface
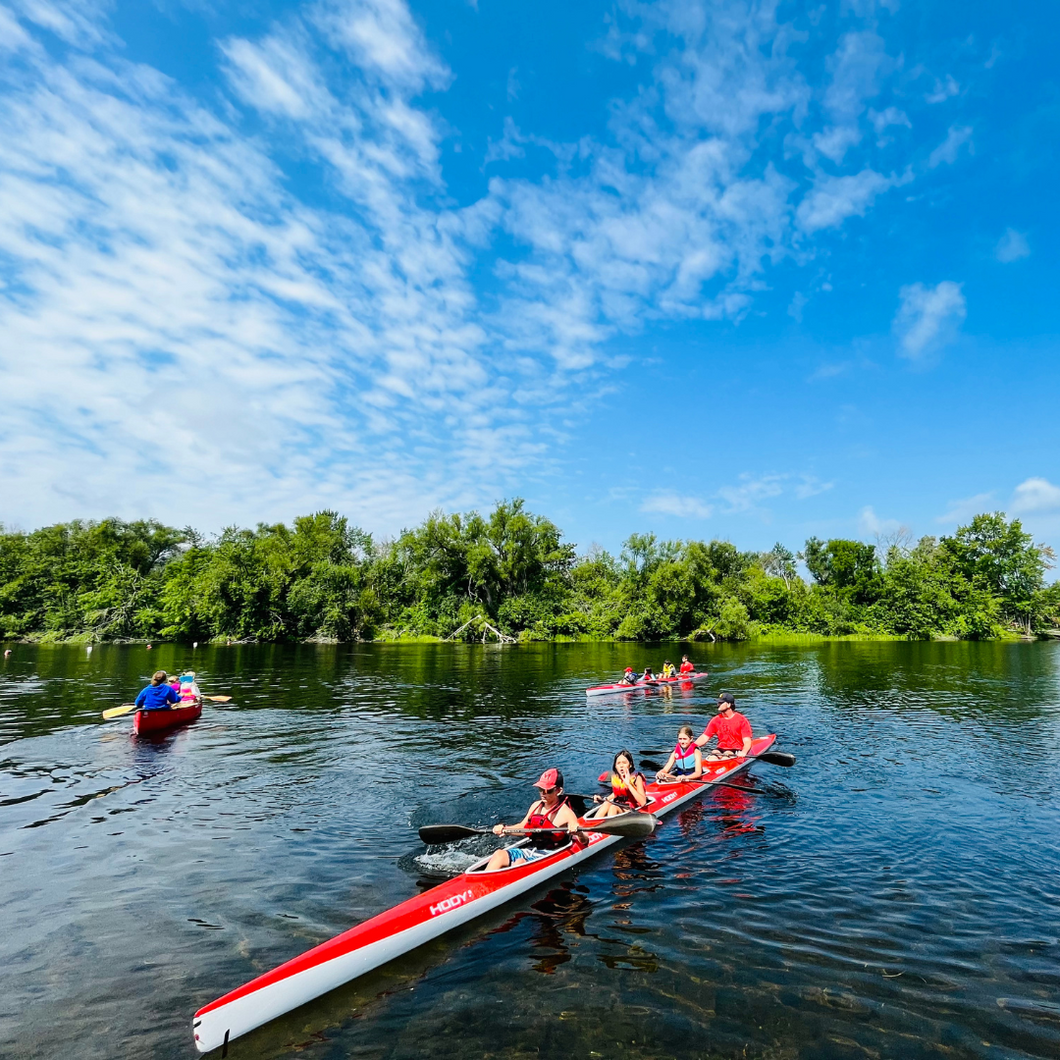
[896, 894]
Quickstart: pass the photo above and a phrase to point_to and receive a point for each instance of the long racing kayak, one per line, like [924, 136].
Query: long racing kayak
[640, 686]
[418, 920]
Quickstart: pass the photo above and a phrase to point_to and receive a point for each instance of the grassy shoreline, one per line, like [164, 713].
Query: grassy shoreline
[769, 637]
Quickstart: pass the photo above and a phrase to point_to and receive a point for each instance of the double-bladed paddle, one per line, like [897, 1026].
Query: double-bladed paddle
[649, 766]
[629, 826]
[126, 708]
[774, 758]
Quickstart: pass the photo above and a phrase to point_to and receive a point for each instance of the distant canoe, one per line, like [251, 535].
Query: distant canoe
[148, 722]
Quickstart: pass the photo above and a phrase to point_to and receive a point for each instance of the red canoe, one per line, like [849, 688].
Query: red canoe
[640, 686]
[148, 722]
[417, 920]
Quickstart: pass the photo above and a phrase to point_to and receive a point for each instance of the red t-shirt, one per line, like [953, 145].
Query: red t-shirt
[730, 731]
[688, 668]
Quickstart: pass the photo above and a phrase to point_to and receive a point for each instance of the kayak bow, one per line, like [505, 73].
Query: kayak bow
[679, 679]
[416, 921]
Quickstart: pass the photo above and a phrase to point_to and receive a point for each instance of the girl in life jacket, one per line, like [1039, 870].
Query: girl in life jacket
[550, 810]
[627, 788]
[685, 761]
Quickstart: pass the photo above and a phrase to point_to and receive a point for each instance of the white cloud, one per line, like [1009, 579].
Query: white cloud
[871, 525]
[960, 510]
[882, 120]
[834, 199]
[1035, 495]
[745, 496]
[928, 318]
[338, 349]
[669, 503]
[1012, 246]
[382, 37]
[811, 486]
[943, 90]
[948, 150]
[273, 76]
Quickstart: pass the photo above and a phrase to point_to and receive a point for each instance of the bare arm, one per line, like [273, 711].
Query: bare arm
[502, 829]
[698, 771]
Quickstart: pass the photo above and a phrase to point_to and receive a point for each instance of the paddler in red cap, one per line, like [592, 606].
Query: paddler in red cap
[550, 809]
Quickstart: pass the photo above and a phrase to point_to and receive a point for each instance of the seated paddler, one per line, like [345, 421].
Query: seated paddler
[627, 788]
[552, 809]
[685, 761]
[159, 694]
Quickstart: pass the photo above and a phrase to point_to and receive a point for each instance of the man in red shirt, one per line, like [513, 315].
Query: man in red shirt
[731, 728]
[686, 666]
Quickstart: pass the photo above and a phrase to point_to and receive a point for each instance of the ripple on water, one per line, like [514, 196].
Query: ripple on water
[904, 903]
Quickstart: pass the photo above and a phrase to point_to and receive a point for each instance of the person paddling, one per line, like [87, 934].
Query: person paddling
[629, 677]
[158, 695]
[732, 729]
[685, 761]
[648, 675]
[686, 666]
[189, 690]
[669, 670]
[627, 787]
[550, 809]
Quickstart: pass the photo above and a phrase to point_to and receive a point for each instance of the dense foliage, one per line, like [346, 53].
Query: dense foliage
[512, 573]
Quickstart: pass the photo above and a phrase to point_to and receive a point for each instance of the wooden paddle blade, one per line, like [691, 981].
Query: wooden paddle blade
[629, 825]
[777, 758]
[117, 712]
[218, 699]
[437, 834]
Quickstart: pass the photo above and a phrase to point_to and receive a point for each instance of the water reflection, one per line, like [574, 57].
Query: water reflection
[905, 904]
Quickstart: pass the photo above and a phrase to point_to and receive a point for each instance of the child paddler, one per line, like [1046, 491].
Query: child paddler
[685, 761]
[627, 787]
[550, 809]
[669, 670]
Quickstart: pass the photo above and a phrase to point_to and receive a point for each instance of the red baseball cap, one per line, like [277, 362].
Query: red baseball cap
[551, 778]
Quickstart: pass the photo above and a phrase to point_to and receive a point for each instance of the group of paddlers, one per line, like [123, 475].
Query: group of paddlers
[631, 677]
[164, 691]
[728, 727]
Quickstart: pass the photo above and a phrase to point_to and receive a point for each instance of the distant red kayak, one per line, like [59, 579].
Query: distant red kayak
[146, 722]
[640, 686]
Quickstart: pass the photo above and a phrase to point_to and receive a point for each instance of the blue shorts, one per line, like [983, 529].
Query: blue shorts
[516, 854]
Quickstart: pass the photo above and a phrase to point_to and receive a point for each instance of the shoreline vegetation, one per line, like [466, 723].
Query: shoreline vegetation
[509, 576]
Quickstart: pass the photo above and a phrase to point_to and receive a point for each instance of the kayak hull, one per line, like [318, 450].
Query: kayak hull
[148, 722]
[641, 686]
[414, 922]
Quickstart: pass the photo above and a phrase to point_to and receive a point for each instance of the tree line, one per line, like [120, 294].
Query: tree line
[509, 573]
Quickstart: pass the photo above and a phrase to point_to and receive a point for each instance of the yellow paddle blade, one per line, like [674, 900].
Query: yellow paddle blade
[218, 699]
[117, 712]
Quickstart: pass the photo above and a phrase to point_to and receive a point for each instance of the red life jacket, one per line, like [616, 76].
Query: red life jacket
[547, 840]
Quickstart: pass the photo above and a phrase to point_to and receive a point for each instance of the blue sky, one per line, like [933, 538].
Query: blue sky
[751, 271]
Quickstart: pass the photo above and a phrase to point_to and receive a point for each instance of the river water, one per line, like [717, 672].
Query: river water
[896, 894]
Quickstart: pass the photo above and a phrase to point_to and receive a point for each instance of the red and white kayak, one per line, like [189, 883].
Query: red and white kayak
[640, 686]
[148, 722]
[418, 920]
